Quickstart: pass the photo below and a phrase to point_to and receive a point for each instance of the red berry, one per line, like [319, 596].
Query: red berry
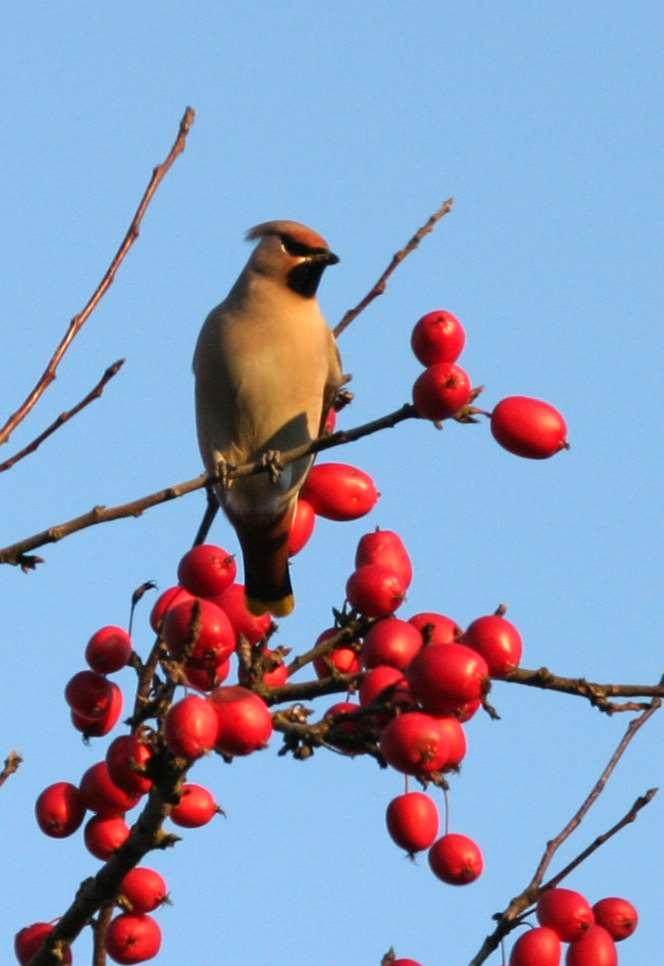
[244, 721]
[412, 821]
[30, 940]
[385, 547]
[100, 793]
[341, 728]
[109, 649]
[206, 570]
[540, 946]
[337, 491]
[528, 427]
[438, 337]
[60, 810]
[498, 641]
[96, 727]
[594, 948]
[566, 911]
[375, 591]
[379, 680]
[441, 391]
[405, 962]
[456, 859]
[415, 743]
[444, 676]
[233, 602]
[169, 598]
[143, 889]
[132, 938]
[127, 758]
[342, 660]
[457, 740]
[618, 916]
[436, 628]
[104, 834]
[196, 807]
[201, 630]
[277, 677]
[204, 676]
[190, 727]
[391, 641]
[302, 527]
[89, 694]
[330, 420]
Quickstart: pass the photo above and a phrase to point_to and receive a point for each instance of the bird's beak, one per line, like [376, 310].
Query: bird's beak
[327, 258]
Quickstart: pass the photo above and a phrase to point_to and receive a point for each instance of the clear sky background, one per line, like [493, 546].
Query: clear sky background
[544, 122]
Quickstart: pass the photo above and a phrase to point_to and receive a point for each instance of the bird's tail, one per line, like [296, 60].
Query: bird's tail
[266, 578]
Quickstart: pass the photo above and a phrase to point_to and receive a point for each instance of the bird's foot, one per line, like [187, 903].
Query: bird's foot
[271, 460]
[342, 398]
[224, 470]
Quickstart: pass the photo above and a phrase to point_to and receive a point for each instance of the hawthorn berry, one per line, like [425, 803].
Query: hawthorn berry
[109, 649]
[104, 834]
[100, 794]
[127, 758]
[412, 821]
[340, 660]
[391, 641]
[195, 808]
[169, 598]
[385, 678]
[143, 890]
[594, 948]
[190, 727]
[199, 630]
[529, 427]
[498, 641]
[436, 628]
[132, 938]
[441, 391]
[456, 859]
[415, 743]
[375, 591]
[338, 491]
[302, 527]
[252, 627]
[60, 810]
[444, 676]
[438, 337]
[243, 719]
[96, 727]
[89, 694]
[385, 547]
[205, 676]
[458, 745]
[618, 916]
[206, 570]
[540, 946]
[566, 911]
[278, 675]
[30, 940]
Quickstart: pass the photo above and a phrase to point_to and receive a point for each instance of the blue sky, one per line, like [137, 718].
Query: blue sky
[544, 122]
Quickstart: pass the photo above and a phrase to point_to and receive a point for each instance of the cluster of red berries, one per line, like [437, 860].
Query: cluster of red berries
[592, 932]
[423, 676]
[524, 426]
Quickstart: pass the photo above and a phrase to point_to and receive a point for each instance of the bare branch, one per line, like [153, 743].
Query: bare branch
[12, 762]
[79, 320]
[17, 553]
[597, 694]
[64, 417]
[397, 258]
[510, 917]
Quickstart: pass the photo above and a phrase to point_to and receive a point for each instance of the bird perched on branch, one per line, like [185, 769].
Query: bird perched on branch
[267, 369]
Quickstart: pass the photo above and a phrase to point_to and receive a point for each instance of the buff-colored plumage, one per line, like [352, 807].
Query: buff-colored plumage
[267, 368]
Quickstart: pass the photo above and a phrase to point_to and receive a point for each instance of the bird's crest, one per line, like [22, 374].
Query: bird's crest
[293, 230]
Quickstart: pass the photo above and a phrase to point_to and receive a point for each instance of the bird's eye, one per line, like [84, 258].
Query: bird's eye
[292, 247]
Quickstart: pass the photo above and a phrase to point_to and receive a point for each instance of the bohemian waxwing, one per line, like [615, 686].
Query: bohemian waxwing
[267, 369]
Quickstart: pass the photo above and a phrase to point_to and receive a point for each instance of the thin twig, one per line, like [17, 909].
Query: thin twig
[79, 320]
[64, 417]
[510, 917]
[99, 927]
[12, 761]
[597, 694]
[397, 258]
[17, 553]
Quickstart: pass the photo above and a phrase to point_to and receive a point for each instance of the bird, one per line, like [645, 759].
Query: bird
[267, 370]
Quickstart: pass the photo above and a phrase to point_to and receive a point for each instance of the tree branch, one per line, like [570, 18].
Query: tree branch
[12, 762]
[64, 417]
[397, 258]
[510, 917]
[596, 694]
[17, 553]
[79, 320]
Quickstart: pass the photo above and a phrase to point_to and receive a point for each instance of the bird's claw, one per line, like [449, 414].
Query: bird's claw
[342, 398]
[271, 460]
[224, 469]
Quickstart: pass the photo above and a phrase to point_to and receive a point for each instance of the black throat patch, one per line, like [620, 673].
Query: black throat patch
[305, 277]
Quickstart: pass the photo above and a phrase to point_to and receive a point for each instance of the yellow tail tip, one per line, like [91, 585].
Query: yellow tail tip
[278, 608]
